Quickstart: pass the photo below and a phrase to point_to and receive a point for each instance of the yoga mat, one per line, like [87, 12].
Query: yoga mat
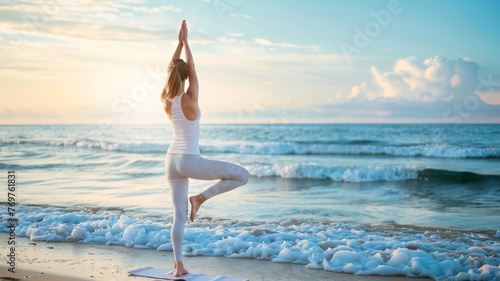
[168, 274]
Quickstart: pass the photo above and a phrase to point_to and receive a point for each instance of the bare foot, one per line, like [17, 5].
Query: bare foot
[196, 202]
[179, 269]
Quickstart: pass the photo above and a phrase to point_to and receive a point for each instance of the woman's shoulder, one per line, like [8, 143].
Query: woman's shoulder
[189, 99]
[190, 107]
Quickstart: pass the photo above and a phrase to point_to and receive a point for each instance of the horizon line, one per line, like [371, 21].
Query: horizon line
[259, 123]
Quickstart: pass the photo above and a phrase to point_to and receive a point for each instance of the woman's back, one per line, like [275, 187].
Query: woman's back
[186, 133]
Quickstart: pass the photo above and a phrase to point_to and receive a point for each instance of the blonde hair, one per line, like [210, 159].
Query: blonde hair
[177, 72]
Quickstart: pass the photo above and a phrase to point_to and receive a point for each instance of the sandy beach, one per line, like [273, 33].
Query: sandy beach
[40, 275]
[78, 261]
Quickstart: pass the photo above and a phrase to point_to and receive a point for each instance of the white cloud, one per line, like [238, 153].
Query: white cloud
[436, 89]
[108, 16]
[155, 9]
[171, 8]
[357, 89]
[239, 16]
[360, 92]
[455, 80]
[490, 97]
[226, 39]
[146, 9]
[127, 14]
[265, 42]
[436, 78]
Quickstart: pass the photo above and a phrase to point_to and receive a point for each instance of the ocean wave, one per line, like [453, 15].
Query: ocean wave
[6, 166]
[285, 148]
[339, 247]
[338, 141]
[103, 145]
[364, 174]
[455, 176]
[427, 150]
[345, 174]
[304, 170]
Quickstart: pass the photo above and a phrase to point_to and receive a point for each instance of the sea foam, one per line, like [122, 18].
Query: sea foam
[339, 247]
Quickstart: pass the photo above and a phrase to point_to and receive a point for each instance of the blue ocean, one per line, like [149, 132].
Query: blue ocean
[391, 199]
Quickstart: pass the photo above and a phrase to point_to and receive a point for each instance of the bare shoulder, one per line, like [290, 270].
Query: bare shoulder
[189, 100]
[189, 106]
[192, 95]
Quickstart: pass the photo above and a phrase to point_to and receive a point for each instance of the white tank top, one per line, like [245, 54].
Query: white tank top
[186, 133]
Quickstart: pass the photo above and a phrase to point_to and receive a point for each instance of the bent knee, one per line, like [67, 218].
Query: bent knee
[245, 176]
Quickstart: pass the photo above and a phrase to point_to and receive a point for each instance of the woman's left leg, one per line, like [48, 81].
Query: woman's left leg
[179, 191]
[179, 188]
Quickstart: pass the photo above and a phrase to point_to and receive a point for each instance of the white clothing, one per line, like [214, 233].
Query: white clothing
[179, 168]
[186, 133]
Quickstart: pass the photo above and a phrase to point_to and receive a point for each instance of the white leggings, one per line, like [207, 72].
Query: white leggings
[180, 167]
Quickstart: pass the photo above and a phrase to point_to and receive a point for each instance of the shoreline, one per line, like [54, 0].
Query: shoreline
[378, 227]
[79, 261]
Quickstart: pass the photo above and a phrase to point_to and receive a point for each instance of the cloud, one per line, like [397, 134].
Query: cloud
[7, 113]
[394, 109]
[224, 39]
[171, 8]
[434, 79]
[155, 9]
[437, 88]
[25, 21]
[265, 42]
[251, 60]
[490, 97]
[239, 16]
[362, 91]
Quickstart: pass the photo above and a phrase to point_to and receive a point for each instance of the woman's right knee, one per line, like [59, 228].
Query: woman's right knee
[245, 176]
[237, 172]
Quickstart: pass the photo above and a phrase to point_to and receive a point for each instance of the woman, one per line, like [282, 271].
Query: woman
[183, 159]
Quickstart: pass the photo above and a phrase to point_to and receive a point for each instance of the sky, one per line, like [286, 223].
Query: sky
[388, 61]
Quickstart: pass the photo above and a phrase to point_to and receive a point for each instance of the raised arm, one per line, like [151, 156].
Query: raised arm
[193, 88]
[177, 55]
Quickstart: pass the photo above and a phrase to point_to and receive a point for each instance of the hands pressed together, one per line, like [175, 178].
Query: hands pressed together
[183, 33]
